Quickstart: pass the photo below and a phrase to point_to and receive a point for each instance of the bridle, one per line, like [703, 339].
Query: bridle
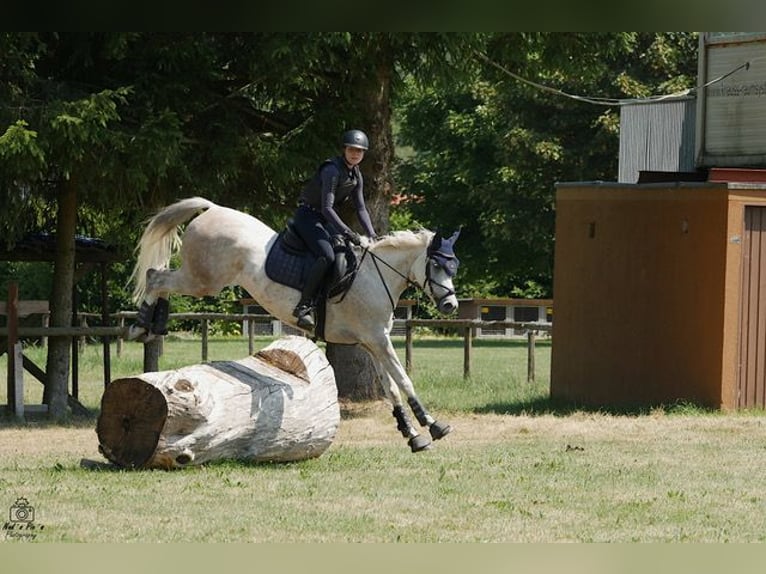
[449, 263]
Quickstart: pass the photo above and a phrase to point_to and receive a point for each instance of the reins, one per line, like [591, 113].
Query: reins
[410, 282]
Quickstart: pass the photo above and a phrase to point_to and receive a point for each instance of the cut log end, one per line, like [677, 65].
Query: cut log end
[286, 360]
[133, 413]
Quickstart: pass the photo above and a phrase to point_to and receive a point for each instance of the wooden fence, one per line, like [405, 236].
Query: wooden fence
[468, 327]
[17, 361]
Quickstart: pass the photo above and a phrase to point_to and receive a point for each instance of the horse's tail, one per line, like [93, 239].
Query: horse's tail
[161, 238]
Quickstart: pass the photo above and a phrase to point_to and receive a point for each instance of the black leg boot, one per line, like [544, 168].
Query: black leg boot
[306, 305]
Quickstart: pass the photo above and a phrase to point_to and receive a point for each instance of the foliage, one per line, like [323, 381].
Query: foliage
[98, 129]
[226, 302]
[139, 119]
[487, 153]
[34, 279]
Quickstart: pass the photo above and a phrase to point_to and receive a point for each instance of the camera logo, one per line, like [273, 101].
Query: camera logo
[21, 522]
[21, 511]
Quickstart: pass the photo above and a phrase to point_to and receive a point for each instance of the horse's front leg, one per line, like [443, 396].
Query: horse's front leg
[390, 363]
[415, 440]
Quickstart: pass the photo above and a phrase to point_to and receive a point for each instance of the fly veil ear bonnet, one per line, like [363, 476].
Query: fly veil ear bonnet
[442, 252]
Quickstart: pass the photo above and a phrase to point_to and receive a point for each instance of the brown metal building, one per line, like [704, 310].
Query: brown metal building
[660, 294]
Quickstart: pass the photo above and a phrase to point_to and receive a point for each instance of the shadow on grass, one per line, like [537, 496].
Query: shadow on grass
[457, 343]
[548, 406]
[41, 420]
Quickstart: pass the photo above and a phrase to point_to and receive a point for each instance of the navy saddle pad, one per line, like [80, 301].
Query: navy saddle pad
[286, 265]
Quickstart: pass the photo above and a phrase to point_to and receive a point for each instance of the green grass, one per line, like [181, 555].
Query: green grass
[584, 478]
[498, 381]
[515, 469]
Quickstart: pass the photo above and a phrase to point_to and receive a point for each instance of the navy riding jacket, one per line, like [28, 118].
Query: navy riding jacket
[333, 183]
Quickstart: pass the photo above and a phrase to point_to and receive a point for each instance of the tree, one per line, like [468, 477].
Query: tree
[115, 124]
[489, 152]
[102, 128]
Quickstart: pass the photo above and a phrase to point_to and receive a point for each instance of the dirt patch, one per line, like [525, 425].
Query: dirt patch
[371, 423]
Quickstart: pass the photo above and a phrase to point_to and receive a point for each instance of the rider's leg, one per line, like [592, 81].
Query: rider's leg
[316, 237]
[308, 295]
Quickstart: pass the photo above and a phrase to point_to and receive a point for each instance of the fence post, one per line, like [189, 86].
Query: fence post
[204, 340]
[80, 341]
[12, 310]
[119, 337]
[531, 356]
[250, 335]
[467, 348]
[152, 351]
[46, 324]
[408, 348]
[18, 381]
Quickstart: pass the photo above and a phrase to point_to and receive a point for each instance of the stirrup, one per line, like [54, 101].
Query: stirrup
[303, 313]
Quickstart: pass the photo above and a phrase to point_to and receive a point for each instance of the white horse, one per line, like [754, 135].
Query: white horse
[222, 247]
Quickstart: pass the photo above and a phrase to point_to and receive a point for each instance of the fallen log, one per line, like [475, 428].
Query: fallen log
[280, 404]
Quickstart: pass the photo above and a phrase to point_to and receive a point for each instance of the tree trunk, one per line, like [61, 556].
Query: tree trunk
[56, 390]
[375, 101]
[355, 374]
[278, 405]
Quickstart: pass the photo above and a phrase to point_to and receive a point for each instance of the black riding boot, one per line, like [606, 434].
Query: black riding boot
[308, 296]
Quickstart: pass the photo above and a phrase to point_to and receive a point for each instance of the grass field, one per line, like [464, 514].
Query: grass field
[513, 470]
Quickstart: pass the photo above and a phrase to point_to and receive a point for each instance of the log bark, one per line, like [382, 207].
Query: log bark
[280, 404]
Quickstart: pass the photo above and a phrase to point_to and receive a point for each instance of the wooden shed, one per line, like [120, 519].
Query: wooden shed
[660, 294]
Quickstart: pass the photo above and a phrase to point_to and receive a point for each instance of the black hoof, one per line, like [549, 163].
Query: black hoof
[418, 443]
[439, 430]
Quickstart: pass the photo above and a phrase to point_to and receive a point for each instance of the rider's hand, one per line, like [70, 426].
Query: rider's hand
[354, 237]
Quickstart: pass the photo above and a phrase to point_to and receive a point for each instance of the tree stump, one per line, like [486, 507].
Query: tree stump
[280, 404]
[355, 376]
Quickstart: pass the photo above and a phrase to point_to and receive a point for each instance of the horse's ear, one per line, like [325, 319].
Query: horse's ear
[454, 237]
[437, 240]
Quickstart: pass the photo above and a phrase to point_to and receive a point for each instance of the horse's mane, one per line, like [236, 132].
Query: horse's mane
[402, 239]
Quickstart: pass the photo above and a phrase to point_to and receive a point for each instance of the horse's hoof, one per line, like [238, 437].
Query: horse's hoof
[135, 333]
[439, 430]
[140, 335]
[418, 443]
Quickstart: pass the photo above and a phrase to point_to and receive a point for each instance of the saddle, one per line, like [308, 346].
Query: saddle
[289, 261]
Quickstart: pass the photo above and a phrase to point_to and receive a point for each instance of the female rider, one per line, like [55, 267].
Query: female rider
[316, 220]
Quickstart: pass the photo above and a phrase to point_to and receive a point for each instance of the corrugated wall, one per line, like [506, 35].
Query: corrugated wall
[657, 136]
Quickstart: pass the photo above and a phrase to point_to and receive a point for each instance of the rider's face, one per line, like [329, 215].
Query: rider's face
[353, 155]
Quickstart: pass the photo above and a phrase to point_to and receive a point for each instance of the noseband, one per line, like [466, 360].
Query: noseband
[430, 281]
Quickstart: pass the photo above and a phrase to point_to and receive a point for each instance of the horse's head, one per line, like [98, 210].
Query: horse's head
[441, 268]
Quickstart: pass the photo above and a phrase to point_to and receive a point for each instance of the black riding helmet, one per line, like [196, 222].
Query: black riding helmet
[357, 139]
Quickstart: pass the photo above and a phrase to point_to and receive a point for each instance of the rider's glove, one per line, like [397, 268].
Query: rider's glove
[353, 237]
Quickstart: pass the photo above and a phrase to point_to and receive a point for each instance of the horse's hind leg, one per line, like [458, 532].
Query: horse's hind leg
[153, 314]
